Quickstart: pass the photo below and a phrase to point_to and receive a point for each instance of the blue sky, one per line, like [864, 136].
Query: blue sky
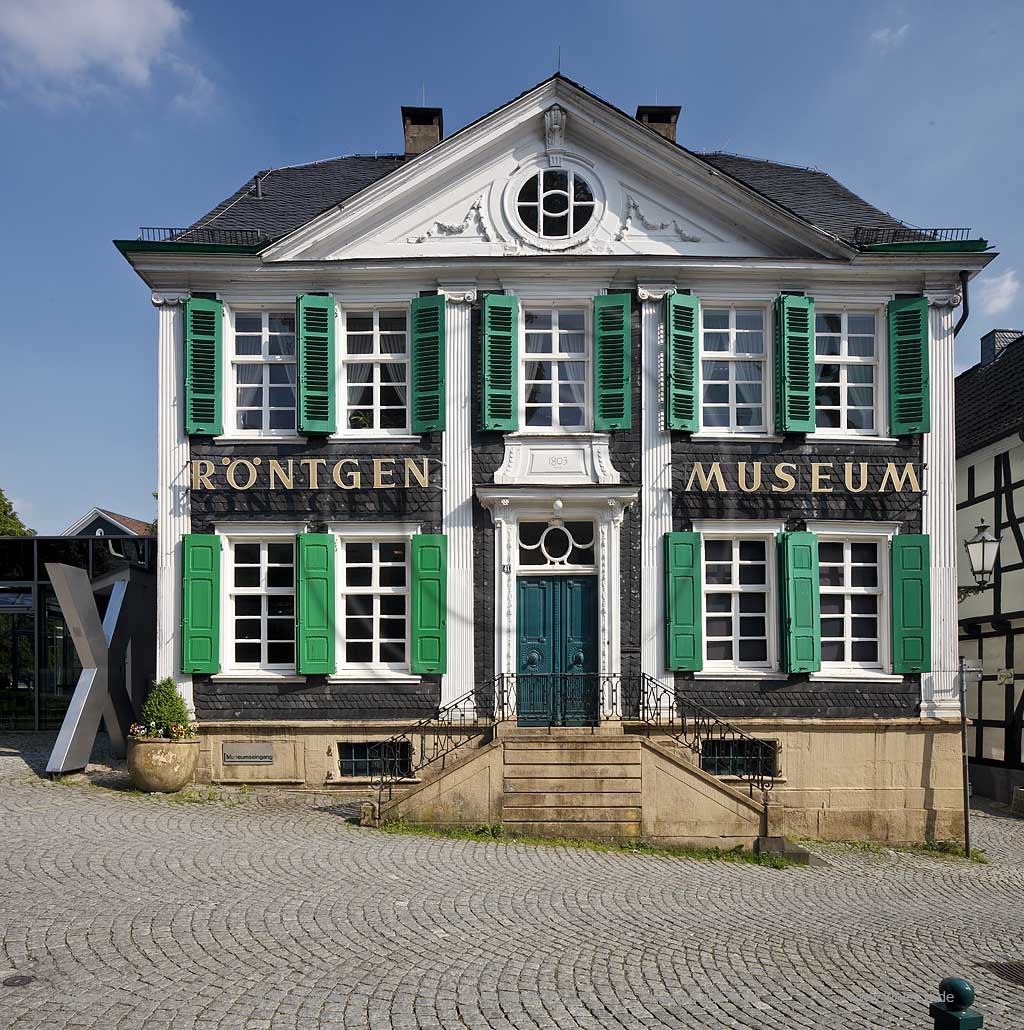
[120, 113]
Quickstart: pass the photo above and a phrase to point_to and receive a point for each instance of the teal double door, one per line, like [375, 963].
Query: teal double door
[557, 682]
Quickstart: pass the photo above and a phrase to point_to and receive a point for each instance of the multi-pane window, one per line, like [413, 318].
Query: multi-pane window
[732, 350]
[374, 603]
[262, 604]
[736, 592]
[850, 575]
[373, 757]
[845, 372]
[555, 368]
[263, 371]
[375, 376]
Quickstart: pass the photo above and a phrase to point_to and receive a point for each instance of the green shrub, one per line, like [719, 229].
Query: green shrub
[164, 714]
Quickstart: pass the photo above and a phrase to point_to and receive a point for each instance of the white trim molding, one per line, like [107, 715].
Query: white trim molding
[656, 479]
[173, 515]
[940, 696]
[457, 491]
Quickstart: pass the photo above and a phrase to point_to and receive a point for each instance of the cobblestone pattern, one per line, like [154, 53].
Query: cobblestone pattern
[269, 910]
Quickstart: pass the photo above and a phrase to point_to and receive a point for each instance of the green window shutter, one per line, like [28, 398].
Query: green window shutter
[314, 326]
[911, 604]
[909, 403]
[429, 603]
[499, 362]
[428, 347]
[684, 641]
[203, 372]
[794, 364]
[200, 603]
[314, 603]
[682, 345]
[801, 603]
[613, 398]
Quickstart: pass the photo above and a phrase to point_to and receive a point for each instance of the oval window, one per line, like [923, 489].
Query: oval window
[555, 204]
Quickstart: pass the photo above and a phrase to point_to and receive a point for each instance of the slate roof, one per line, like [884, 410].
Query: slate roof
[990, 400]
[294, 195]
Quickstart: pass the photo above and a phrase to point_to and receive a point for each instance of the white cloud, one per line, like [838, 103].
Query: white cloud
[997, 294]
[887, 37]
[65, 51]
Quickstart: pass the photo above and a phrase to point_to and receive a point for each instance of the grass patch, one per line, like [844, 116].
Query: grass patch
[494, 832]
[949, 850]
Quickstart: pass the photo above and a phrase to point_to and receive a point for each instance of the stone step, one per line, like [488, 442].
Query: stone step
[570, 754]
[560, 783]
[570, 798]
[620, 814]
[585, 770]
[509, 731]
[624, 830]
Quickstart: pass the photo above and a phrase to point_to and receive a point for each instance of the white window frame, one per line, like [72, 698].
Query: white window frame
[881, 533]
[249, 533]
[342, 361]
[880, 362]
[348, 532]
[735, 529]
[767, 428]
[231, 359]
[587, 357]
[540, 174]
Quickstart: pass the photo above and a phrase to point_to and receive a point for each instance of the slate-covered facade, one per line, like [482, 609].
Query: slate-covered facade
[555, 402]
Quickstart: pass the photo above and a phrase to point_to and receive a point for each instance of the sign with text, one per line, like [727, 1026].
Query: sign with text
[248, 753]
[310, 473]
[783, 477]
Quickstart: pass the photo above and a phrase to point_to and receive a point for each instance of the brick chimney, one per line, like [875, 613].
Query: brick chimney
[661, 119]
[995, 342]
[424, 127]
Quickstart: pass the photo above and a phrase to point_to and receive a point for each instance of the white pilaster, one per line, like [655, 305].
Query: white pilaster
[939, 689]
[457, 494]
[656, 482]
[172, 501]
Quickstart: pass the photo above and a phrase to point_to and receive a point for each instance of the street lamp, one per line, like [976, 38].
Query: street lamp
[982, 549]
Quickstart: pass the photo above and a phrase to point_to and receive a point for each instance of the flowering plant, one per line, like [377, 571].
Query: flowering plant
[164, 715]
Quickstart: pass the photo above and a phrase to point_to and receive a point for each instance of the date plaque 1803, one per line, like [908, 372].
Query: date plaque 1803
[248, 753]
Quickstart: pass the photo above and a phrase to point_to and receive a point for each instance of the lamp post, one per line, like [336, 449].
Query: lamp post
[982, 550]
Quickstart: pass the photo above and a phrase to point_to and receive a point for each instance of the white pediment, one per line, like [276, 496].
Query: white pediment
[463, 198]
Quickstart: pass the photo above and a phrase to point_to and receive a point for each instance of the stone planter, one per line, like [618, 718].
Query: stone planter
[162, 766]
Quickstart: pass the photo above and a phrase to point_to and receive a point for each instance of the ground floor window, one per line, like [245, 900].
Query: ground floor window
[372, 757]
[743, 757]
[736, 591]
[850, 574]
[374, 579]
[261, 603]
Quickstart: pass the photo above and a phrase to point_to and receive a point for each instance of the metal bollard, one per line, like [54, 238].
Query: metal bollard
[953, 1011]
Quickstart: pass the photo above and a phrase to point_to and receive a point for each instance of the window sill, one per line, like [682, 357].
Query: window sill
[740, 674]
[371, 677]
[556, 434]
[733, 778]
[368, 437]
[873, 675]
[853, 437]
[764, 437]
[257, 438]
[256, 676]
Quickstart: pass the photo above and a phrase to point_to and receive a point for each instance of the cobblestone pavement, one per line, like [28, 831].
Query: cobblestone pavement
[270, 910]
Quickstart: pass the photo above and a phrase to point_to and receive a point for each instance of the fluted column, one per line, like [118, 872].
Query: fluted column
[939, 689]
[457, 495]
[172, 501]
[656, 477]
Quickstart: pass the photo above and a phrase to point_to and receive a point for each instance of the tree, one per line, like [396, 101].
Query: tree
[10, 523]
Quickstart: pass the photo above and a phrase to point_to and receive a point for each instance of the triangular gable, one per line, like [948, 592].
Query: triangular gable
[651, 196]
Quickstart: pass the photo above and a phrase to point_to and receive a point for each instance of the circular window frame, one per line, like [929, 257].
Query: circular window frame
[510, 204]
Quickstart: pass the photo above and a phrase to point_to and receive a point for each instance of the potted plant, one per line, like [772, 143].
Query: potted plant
[163, 749]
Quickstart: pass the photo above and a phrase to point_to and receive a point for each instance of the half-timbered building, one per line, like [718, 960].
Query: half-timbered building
[553, 435]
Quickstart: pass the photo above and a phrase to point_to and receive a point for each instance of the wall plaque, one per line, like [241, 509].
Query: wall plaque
[248, 753]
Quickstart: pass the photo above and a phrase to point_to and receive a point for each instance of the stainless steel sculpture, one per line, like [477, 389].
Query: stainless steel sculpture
[95, 695]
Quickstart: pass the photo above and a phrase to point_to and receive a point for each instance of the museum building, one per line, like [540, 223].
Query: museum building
[548, 418]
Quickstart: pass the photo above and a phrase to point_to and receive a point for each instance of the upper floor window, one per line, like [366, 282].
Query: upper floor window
[375, 370]
[851, 576]
[737, 602]
[375, 603]
[733, 369]
[846, 387]
[556, 369]
[555, 203]
[263, 371]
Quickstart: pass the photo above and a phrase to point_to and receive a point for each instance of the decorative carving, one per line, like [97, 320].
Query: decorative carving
[948, 298]
[555, 119]
[655, 291]
[633, 211]
[474, 216]
[683, 234]
[459, 294]
[570, 460]
[169, 299]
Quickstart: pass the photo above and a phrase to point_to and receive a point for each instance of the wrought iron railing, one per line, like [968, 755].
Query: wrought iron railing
[203, 234]
[580, 699]
[868, 235]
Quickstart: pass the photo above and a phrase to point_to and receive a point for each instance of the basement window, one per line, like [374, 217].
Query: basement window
[743, 757]
[367, 758]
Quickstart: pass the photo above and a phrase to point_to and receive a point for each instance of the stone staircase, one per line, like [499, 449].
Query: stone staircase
[572, 783]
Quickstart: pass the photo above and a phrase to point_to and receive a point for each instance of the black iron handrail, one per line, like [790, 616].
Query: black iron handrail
[662, 708]
[869, 235]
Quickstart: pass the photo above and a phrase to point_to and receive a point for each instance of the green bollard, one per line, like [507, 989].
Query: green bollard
[954, 1011]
